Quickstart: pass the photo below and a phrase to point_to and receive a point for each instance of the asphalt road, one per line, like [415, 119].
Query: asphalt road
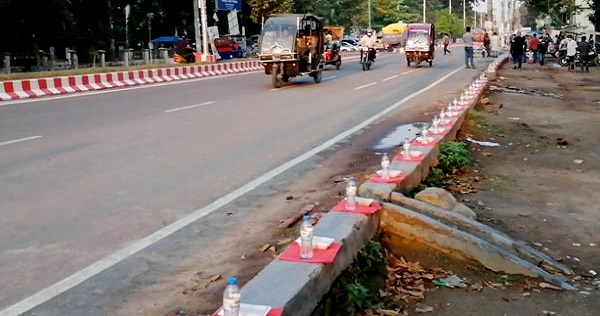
[94, 185]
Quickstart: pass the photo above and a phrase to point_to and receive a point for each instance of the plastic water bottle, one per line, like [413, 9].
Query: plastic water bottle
[306, 238]
[351, 194]
[231, 298]
[385, 167]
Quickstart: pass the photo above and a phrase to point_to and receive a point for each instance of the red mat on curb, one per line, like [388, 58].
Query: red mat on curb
[324, 256]
[449, 122]
[377, 179]
[360, 209]
[411, 158]
[440, 131]
[430, 143]
[273, 312]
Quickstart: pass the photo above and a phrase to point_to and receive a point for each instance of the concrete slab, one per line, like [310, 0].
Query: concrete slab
[299, 287]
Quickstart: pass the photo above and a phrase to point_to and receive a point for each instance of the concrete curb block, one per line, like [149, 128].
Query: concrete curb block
[35, 88]
[299, 287]
[412, 225]
[480, 230]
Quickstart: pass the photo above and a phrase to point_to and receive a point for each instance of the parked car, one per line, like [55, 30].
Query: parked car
[350, 41]
[347, 47]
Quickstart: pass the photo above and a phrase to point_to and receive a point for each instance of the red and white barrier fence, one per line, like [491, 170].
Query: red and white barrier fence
[33, 88]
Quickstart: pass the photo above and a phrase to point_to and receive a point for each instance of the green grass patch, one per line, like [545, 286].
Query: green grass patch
[358, 287]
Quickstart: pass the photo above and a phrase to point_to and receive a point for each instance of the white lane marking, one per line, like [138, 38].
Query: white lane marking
[365, 85]
[113, 90]
[407, 72]
[389, 78]
[284, 87]
[79, 277]
[329, 78]
[14, 141]
[189, 107]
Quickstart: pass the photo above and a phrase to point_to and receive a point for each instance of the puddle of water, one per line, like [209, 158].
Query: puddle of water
[401, 134]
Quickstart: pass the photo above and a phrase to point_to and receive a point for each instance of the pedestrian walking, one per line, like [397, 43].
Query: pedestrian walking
[517, 48]
[468, 41]
[584, 54]
[533, 46]
[571, 51]
[446, 41]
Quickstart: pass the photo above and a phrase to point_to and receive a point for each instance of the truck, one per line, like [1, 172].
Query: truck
[393, 35]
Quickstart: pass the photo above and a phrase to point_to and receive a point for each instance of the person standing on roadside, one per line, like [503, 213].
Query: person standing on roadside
[543, 48]
[533, 46]
[584, 50]
[446, 41]
[495, 42]
[468, 41]
[517, 48]
[571, 51]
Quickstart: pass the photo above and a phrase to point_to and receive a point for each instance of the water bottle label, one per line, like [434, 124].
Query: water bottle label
[306, 232]
[385, 164]
[229, 303]
[351, 191]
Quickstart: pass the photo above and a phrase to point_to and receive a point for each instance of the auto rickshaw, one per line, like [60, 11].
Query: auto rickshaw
[292, 45]
[332, 48]
[420, 43]
[478, 42]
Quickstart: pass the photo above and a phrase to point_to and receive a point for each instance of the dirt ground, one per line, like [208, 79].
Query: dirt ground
[540, 186]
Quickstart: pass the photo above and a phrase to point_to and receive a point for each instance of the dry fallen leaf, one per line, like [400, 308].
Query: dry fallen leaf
[388, 312]
[422, 308]
[265, 247]
[545, 285]
[476, 287]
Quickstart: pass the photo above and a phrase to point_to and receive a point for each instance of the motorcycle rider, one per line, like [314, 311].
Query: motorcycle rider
[368, 40]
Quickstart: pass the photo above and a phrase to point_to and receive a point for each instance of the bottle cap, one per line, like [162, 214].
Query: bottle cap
[306, 217]
[232, 281]
[351, 179]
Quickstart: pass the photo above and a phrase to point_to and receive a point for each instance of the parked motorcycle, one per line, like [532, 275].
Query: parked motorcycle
[563, 60]
[364, 57]
[552, 50]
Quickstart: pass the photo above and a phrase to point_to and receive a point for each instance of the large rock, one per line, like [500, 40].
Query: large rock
[438, 197]
[465, 211]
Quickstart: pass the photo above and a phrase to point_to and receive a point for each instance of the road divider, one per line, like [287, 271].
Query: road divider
[41, 87]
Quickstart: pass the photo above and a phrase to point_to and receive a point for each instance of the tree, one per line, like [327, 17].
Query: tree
[557, 10]
[447, 23]
[391, 11]
[595, 15]
[264, 8]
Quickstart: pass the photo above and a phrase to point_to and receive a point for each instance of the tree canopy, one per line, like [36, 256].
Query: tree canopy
[88, 25]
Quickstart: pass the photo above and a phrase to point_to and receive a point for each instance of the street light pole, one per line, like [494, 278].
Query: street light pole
[197, 37]
[204, 21]
[369, 12]
[464, 14]
[424, 9]
[450, 6]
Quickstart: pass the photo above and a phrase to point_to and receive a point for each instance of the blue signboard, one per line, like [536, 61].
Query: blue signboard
[229, 5]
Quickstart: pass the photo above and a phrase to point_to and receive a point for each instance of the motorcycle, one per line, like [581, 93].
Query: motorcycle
[563, 60]
[364, 57]
[552, 50]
